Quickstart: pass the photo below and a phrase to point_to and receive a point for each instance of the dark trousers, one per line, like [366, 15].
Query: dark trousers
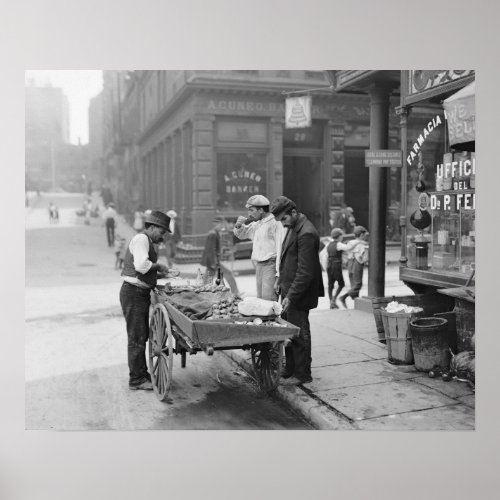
[335, 275]
[110, 231]
[135, 303]
[298, 352]
[355, 277]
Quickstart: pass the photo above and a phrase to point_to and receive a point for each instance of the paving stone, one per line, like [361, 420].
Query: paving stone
[377, 400]
[448, 418]
[453, 388]
[469, 400]
[356, 374]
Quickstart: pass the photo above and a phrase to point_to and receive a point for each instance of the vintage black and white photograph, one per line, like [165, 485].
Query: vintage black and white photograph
[250, 250]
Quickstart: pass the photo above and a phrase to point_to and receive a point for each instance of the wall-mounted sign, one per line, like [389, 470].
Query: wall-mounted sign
[298, 112]
[425, 79]
[453, 202]
[383, 158]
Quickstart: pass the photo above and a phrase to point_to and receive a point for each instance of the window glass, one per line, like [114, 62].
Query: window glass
[239, 176]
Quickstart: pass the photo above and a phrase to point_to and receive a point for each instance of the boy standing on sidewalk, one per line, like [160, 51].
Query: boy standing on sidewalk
[355, 265]
[334, 266]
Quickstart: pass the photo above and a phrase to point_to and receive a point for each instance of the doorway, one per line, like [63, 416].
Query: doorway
[302, 183]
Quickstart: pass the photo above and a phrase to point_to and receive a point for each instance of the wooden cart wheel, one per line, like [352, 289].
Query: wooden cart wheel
[161, 351]
[267, 359]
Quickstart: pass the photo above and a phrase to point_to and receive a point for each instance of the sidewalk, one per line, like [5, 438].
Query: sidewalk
[355, 387]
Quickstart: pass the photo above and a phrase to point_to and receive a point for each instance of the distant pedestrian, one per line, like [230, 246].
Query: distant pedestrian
[356, 250]
[120, 249]
[267, 235]
[211, 254]
[300, 284]
[139, 219]
[172, 238]
[345, 220]
[87, 210]
[52, 213]
[109, 216]
[334, 267]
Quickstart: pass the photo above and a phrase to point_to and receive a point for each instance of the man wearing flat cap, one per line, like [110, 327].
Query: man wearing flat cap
[267, 235]
[355, 264]
[140, 268]
[300, 284]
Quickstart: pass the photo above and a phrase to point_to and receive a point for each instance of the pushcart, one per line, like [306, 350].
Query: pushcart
[172, 332]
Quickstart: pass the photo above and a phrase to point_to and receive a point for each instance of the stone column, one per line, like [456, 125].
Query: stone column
[337, 185]
[275, 178]
[204, 173]
[379, 137]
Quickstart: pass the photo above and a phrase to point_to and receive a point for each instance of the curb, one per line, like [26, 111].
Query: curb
[314, 411]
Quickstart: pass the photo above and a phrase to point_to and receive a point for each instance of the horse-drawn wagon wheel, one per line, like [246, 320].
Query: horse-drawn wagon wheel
[267, 359]
[161, 351]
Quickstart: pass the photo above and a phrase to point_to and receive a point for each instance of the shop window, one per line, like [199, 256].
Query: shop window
[454, 215]
[239, 176]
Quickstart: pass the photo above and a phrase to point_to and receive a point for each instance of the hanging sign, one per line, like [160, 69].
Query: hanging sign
[298, 112]
[383, 158]
[460, 112]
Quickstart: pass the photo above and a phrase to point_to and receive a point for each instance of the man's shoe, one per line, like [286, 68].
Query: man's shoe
[297, 381]
[342, 300]
[306, 380]
[145, 386]
[285, 373]
[333, 305]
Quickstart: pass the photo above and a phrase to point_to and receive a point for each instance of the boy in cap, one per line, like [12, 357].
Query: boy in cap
[300, 284]
[355, 265]
[267, 235]
[334, 266]
[211, 254]
[140, 268]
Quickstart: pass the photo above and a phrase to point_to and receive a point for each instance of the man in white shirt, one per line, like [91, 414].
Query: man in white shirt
[267, 235]
[140, 268]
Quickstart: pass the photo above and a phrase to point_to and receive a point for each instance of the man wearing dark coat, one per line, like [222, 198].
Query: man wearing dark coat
[300, 284]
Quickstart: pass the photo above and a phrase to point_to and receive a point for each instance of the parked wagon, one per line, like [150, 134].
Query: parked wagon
[172, 332]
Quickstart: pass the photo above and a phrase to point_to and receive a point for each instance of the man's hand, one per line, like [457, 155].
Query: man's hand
[240, 221]
[285, 304]
[276, 286]
[161, 268]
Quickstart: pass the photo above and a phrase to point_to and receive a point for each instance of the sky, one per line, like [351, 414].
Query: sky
[79, 86]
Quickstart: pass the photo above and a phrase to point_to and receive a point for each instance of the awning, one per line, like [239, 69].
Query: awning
[460, 111]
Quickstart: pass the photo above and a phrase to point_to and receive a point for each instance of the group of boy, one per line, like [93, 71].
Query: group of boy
[355, 251]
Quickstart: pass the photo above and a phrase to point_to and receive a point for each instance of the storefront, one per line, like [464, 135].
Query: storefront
[438, 142]
[439, 227]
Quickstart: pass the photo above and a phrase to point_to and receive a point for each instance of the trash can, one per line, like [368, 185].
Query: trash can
[397, 336]
[430, 343]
